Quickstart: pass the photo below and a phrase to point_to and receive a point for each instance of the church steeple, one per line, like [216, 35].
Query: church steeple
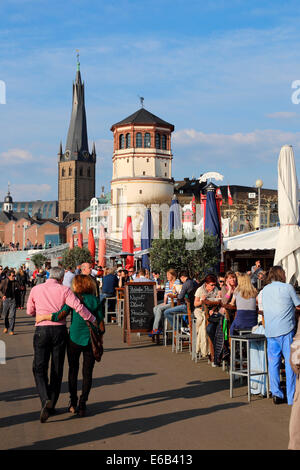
[76, 166]
[77, 147]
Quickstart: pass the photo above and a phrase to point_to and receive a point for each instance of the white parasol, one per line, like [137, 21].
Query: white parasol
[287, 252]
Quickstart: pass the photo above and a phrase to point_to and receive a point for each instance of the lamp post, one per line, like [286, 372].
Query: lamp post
[259, 185]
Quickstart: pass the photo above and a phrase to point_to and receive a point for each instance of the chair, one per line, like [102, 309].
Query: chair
[120, 305]
[180, 338]
[108, 313]
[241, 366]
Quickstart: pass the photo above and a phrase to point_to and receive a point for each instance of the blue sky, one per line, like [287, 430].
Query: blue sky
[220, 71]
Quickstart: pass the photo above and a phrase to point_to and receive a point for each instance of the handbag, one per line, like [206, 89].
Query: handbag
[96, 340]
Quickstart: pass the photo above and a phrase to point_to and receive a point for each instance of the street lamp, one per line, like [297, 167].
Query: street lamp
[259, 185]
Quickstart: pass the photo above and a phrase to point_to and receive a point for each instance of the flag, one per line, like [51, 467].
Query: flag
[230, 200]
[219, 196]
[194, 204]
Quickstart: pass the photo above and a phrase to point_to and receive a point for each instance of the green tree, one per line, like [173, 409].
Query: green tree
[73, 257]
[38, 260]
[173, 253]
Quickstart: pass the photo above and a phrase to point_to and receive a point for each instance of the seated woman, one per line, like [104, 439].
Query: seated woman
[79, 340]
[244, 298]
[208, 291]
[158, 310]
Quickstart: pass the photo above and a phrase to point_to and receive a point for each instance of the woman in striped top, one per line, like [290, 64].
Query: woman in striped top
[158, 310]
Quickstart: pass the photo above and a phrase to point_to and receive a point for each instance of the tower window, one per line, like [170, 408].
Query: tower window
[70, 171]
[140, 191]
[80, 172]
[164, 142]
[121, 141]
[157, 140]
[127, 141]
[165, 174]
[63, 172]
[127, 160]
[138, 140]
[144, 173]
[88, 172]
[147, 160]
[147, 140]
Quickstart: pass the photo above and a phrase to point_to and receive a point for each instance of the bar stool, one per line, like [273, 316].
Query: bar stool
[237, 364]
[109, 313]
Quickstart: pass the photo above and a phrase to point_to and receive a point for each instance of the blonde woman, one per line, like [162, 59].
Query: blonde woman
[244, 298]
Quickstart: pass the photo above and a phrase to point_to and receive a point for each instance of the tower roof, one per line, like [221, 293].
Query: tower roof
[77, 139]
[142, 116]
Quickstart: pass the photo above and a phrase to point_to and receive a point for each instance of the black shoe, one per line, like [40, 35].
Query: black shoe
[278, 400]
[45, 412]
[81, 409]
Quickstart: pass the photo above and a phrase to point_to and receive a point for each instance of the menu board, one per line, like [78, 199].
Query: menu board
[140, 298]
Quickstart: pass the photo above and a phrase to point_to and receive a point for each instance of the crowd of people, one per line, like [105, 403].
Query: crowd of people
[222, 306]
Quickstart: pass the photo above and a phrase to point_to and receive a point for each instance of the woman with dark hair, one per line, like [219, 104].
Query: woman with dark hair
[279, 300]
[22, 280]
[208, 291]
[79, 340]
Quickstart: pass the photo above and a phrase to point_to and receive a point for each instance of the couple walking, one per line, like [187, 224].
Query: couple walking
[50, 303]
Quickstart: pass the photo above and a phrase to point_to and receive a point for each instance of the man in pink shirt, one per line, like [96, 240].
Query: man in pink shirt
[50, 338]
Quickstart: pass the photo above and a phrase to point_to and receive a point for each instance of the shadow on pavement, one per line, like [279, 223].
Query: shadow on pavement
[130, 426]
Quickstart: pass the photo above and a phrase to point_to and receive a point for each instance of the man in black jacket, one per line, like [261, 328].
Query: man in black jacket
[187, 292]
[8, 293]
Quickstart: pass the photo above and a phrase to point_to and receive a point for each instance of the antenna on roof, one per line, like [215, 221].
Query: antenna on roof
[141, 100]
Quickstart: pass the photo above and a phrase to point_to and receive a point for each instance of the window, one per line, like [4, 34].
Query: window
[80, 172]
[147, 160]
[121, 141]
[63, 172]
[144, 173]
[30, 208]
[70, 171]
[138, 140]
[147, 140]
[165, 165]
[127, 160]
[89, 172]
[157, 140]
[140, 191]
[127, 141]
[164, 142]
[50, 210]
[165, 174]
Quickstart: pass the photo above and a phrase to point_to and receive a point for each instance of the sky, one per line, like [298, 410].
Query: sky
[220, 71]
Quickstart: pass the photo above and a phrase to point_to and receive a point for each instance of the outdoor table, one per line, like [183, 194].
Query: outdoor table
[234, 370]
[120, 293]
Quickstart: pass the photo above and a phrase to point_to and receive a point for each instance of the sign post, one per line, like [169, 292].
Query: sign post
[140, 298]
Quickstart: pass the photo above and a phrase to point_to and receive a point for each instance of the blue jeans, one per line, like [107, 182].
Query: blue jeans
[158, 312]
[277, 346]
[9, 313]
[170, 312]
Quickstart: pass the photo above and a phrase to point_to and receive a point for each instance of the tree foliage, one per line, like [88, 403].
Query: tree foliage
[75, 256]
[173, 253]
[38, 260]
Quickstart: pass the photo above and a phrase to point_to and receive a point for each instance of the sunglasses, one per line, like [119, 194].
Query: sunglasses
[221, 282]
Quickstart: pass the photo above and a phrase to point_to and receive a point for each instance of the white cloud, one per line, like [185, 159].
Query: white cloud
[282, 115]
[15, 155]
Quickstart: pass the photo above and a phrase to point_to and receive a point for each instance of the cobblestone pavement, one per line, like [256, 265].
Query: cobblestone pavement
[143, 397]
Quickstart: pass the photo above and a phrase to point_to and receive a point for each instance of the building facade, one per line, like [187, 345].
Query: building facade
[142, 169]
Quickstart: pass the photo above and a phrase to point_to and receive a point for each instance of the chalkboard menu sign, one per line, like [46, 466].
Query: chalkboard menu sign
[140, 298]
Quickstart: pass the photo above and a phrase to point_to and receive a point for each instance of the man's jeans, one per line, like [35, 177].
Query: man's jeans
[170, 312]
[277, 346]
[49, 342]
[9, 313]
[158, 312]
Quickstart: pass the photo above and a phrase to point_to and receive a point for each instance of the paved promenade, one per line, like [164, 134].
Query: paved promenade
[143, 397]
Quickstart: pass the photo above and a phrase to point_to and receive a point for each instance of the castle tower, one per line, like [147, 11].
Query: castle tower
[76, 166]
[142, 169]
[8, 202]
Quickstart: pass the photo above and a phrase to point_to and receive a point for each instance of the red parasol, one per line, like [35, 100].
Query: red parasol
[102, 247]
[80, 240]
[127, 242]
[71, 242]
[91, 245]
